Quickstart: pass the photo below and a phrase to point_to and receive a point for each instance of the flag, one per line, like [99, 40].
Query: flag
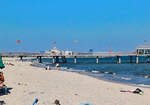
[75, 41]
[145, 41]
[90, 50]
[18, 41]
[54, 42]
[109, 50]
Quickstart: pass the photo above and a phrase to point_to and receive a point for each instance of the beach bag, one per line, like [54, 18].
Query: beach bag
[138, 91]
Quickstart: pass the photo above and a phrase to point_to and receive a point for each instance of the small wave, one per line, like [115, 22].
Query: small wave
[106, 72]
[110, 73]
[143, 85]
[95, 71]
[125, 78]
[114, 74]
[147, 76]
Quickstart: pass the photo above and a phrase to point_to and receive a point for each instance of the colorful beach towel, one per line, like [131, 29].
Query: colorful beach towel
[36, 100]
[137, 91]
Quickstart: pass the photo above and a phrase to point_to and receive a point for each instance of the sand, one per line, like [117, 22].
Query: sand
[28, 82]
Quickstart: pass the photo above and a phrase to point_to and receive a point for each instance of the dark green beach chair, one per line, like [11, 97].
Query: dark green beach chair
[1, 63]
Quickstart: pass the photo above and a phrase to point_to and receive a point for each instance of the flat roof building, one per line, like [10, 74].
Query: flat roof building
[144, 49]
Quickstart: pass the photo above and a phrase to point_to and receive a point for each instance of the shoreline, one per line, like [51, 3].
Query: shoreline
[87, 74]
[106, 80]
[28, 82]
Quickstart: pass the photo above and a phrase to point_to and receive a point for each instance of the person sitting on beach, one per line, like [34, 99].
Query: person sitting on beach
[56, 102]
[57, 66]
[1, 79]
[48, 68]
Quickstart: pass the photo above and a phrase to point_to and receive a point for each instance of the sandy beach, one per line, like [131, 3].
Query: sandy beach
[28, 82]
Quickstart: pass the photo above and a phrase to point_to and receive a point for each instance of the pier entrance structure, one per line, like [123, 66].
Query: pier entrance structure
[143, 50]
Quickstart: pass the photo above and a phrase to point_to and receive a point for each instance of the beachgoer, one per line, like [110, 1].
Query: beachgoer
[57, 66]
[48, 68]
[57, 102]
[1, 79]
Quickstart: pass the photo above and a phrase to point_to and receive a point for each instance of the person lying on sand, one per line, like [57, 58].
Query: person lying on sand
[1, 79]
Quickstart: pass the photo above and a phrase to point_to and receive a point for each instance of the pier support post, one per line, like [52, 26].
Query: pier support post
[148, 59]
[64, 59]
[137, 59]
[97, 60]
[21, 58]
[57, 59]
[40, 59]
[53, 59]
[131, 59]
[75, 59]
[118, 59]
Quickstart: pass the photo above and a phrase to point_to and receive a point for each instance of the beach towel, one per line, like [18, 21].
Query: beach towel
[137, 91]
[36, 100]
[85, 104]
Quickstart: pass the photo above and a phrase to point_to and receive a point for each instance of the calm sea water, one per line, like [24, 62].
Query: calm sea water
[107, 69]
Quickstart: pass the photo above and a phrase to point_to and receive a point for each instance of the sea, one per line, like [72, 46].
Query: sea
[107, 69]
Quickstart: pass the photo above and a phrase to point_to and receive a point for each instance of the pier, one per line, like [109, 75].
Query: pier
[61, 57]
[133, 57]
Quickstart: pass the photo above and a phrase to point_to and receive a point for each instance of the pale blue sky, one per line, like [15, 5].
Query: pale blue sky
[95, 24]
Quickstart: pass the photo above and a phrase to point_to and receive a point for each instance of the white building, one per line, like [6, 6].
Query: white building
[54, 51]
[67, 52]
[145, 49]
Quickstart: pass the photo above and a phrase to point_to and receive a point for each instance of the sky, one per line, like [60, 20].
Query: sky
[101, 25]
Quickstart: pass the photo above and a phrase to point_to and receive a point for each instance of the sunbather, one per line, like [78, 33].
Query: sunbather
[56, 102]
[1, 79]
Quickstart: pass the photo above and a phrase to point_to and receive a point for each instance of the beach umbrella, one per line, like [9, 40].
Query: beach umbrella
[1, 63]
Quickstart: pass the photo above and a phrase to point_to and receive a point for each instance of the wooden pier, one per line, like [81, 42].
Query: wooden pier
[96, 56]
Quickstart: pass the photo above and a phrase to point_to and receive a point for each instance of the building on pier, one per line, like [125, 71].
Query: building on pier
[56, 51]
[67, 53]
[145, 49]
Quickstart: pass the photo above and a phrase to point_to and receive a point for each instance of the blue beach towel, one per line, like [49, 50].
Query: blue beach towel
[36, 100]
[85, 104]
